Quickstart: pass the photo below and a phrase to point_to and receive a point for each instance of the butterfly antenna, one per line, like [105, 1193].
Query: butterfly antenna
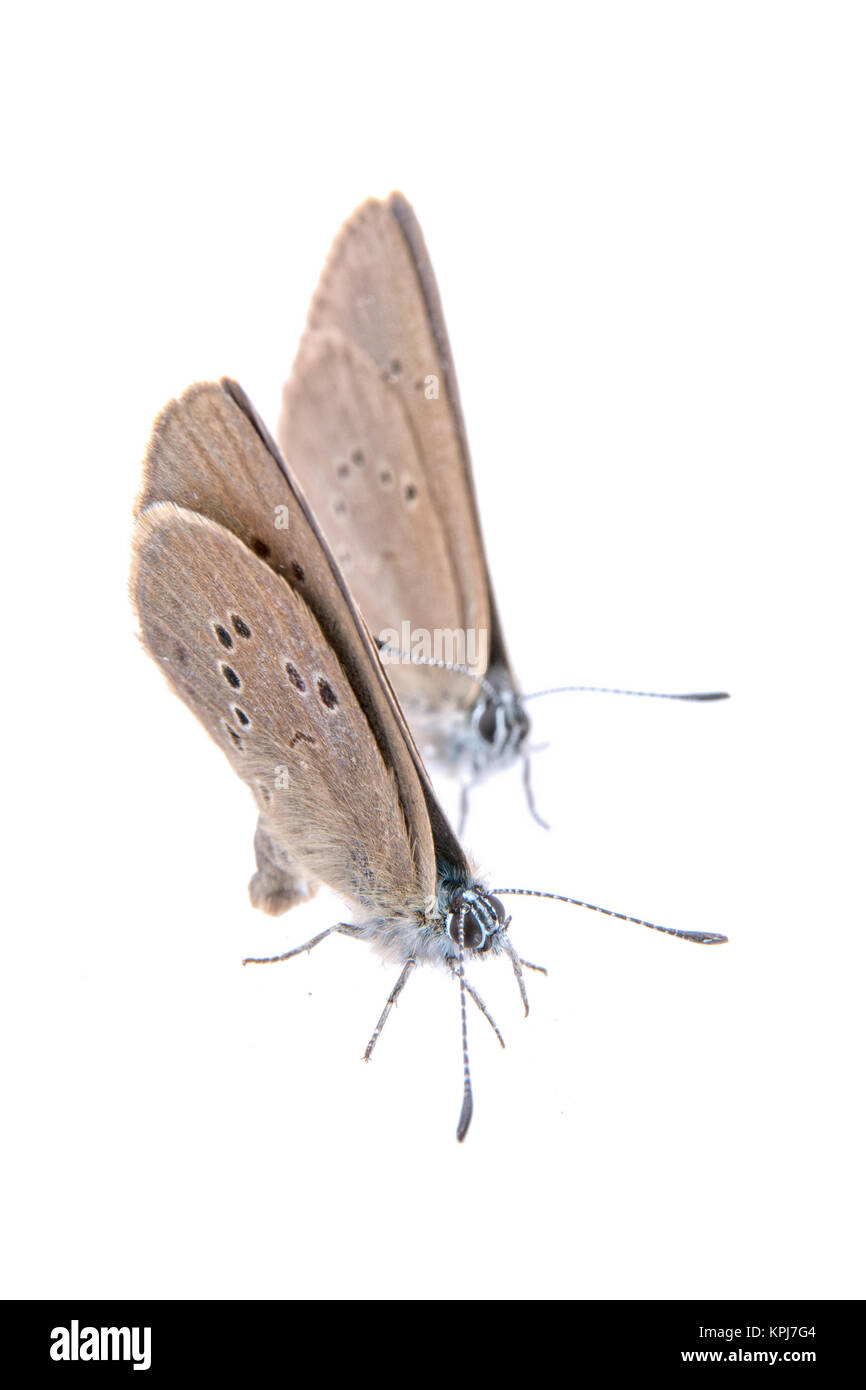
[644, 694]
[466, 1109]
[702, 938]
[385, 649]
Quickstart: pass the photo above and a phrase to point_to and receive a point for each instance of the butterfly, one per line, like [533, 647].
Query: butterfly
[372, 427]
[245, 609]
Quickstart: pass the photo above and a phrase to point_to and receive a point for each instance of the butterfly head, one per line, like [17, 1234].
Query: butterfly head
[483, 916]
[500, 726]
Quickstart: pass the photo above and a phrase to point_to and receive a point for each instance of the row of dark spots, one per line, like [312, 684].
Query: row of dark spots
[240, 715]
[410, 491]
[263, 551]
[226, 640]
[224, 636]
[324, 688]
[357, 457]
[386, 478]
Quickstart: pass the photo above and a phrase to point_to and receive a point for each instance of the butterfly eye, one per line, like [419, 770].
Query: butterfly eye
[487, 723]
[497, 907]
[473, 932]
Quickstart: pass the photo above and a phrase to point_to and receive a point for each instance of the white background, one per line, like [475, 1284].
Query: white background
[647, 222]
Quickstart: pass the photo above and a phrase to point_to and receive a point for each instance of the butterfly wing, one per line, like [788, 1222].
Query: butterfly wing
[379, 293]
[278, 702]
[366, 482]
[211, 457]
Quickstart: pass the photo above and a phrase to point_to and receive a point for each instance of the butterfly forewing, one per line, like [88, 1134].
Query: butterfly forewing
[368, 487]
[375, 292]
[244, 651]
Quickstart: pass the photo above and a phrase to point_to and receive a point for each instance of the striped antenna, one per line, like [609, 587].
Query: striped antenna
[387, 650]
[644, 694]
[466, 1109]
[701, 938]
[490, 690]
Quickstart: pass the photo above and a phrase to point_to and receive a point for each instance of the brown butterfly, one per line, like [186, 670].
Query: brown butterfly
[372, 426]
[247, 613]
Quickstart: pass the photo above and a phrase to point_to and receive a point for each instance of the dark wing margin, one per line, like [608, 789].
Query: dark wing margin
[410, 227]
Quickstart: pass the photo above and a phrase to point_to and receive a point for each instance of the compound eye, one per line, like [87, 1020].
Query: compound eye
[473, 934]
[521, 719]
[487, 723]
[496, 906]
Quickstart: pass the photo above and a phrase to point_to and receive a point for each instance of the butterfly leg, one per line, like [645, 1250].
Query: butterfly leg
[392, 999]
[344, 928]
[476, 998]
[530, 799]
[518, 973]
[542, 970]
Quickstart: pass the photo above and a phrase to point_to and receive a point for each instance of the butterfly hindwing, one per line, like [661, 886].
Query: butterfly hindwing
[245, 653]
[210, 454]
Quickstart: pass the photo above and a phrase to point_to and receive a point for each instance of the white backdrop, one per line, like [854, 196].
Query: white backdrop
[648, 227]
